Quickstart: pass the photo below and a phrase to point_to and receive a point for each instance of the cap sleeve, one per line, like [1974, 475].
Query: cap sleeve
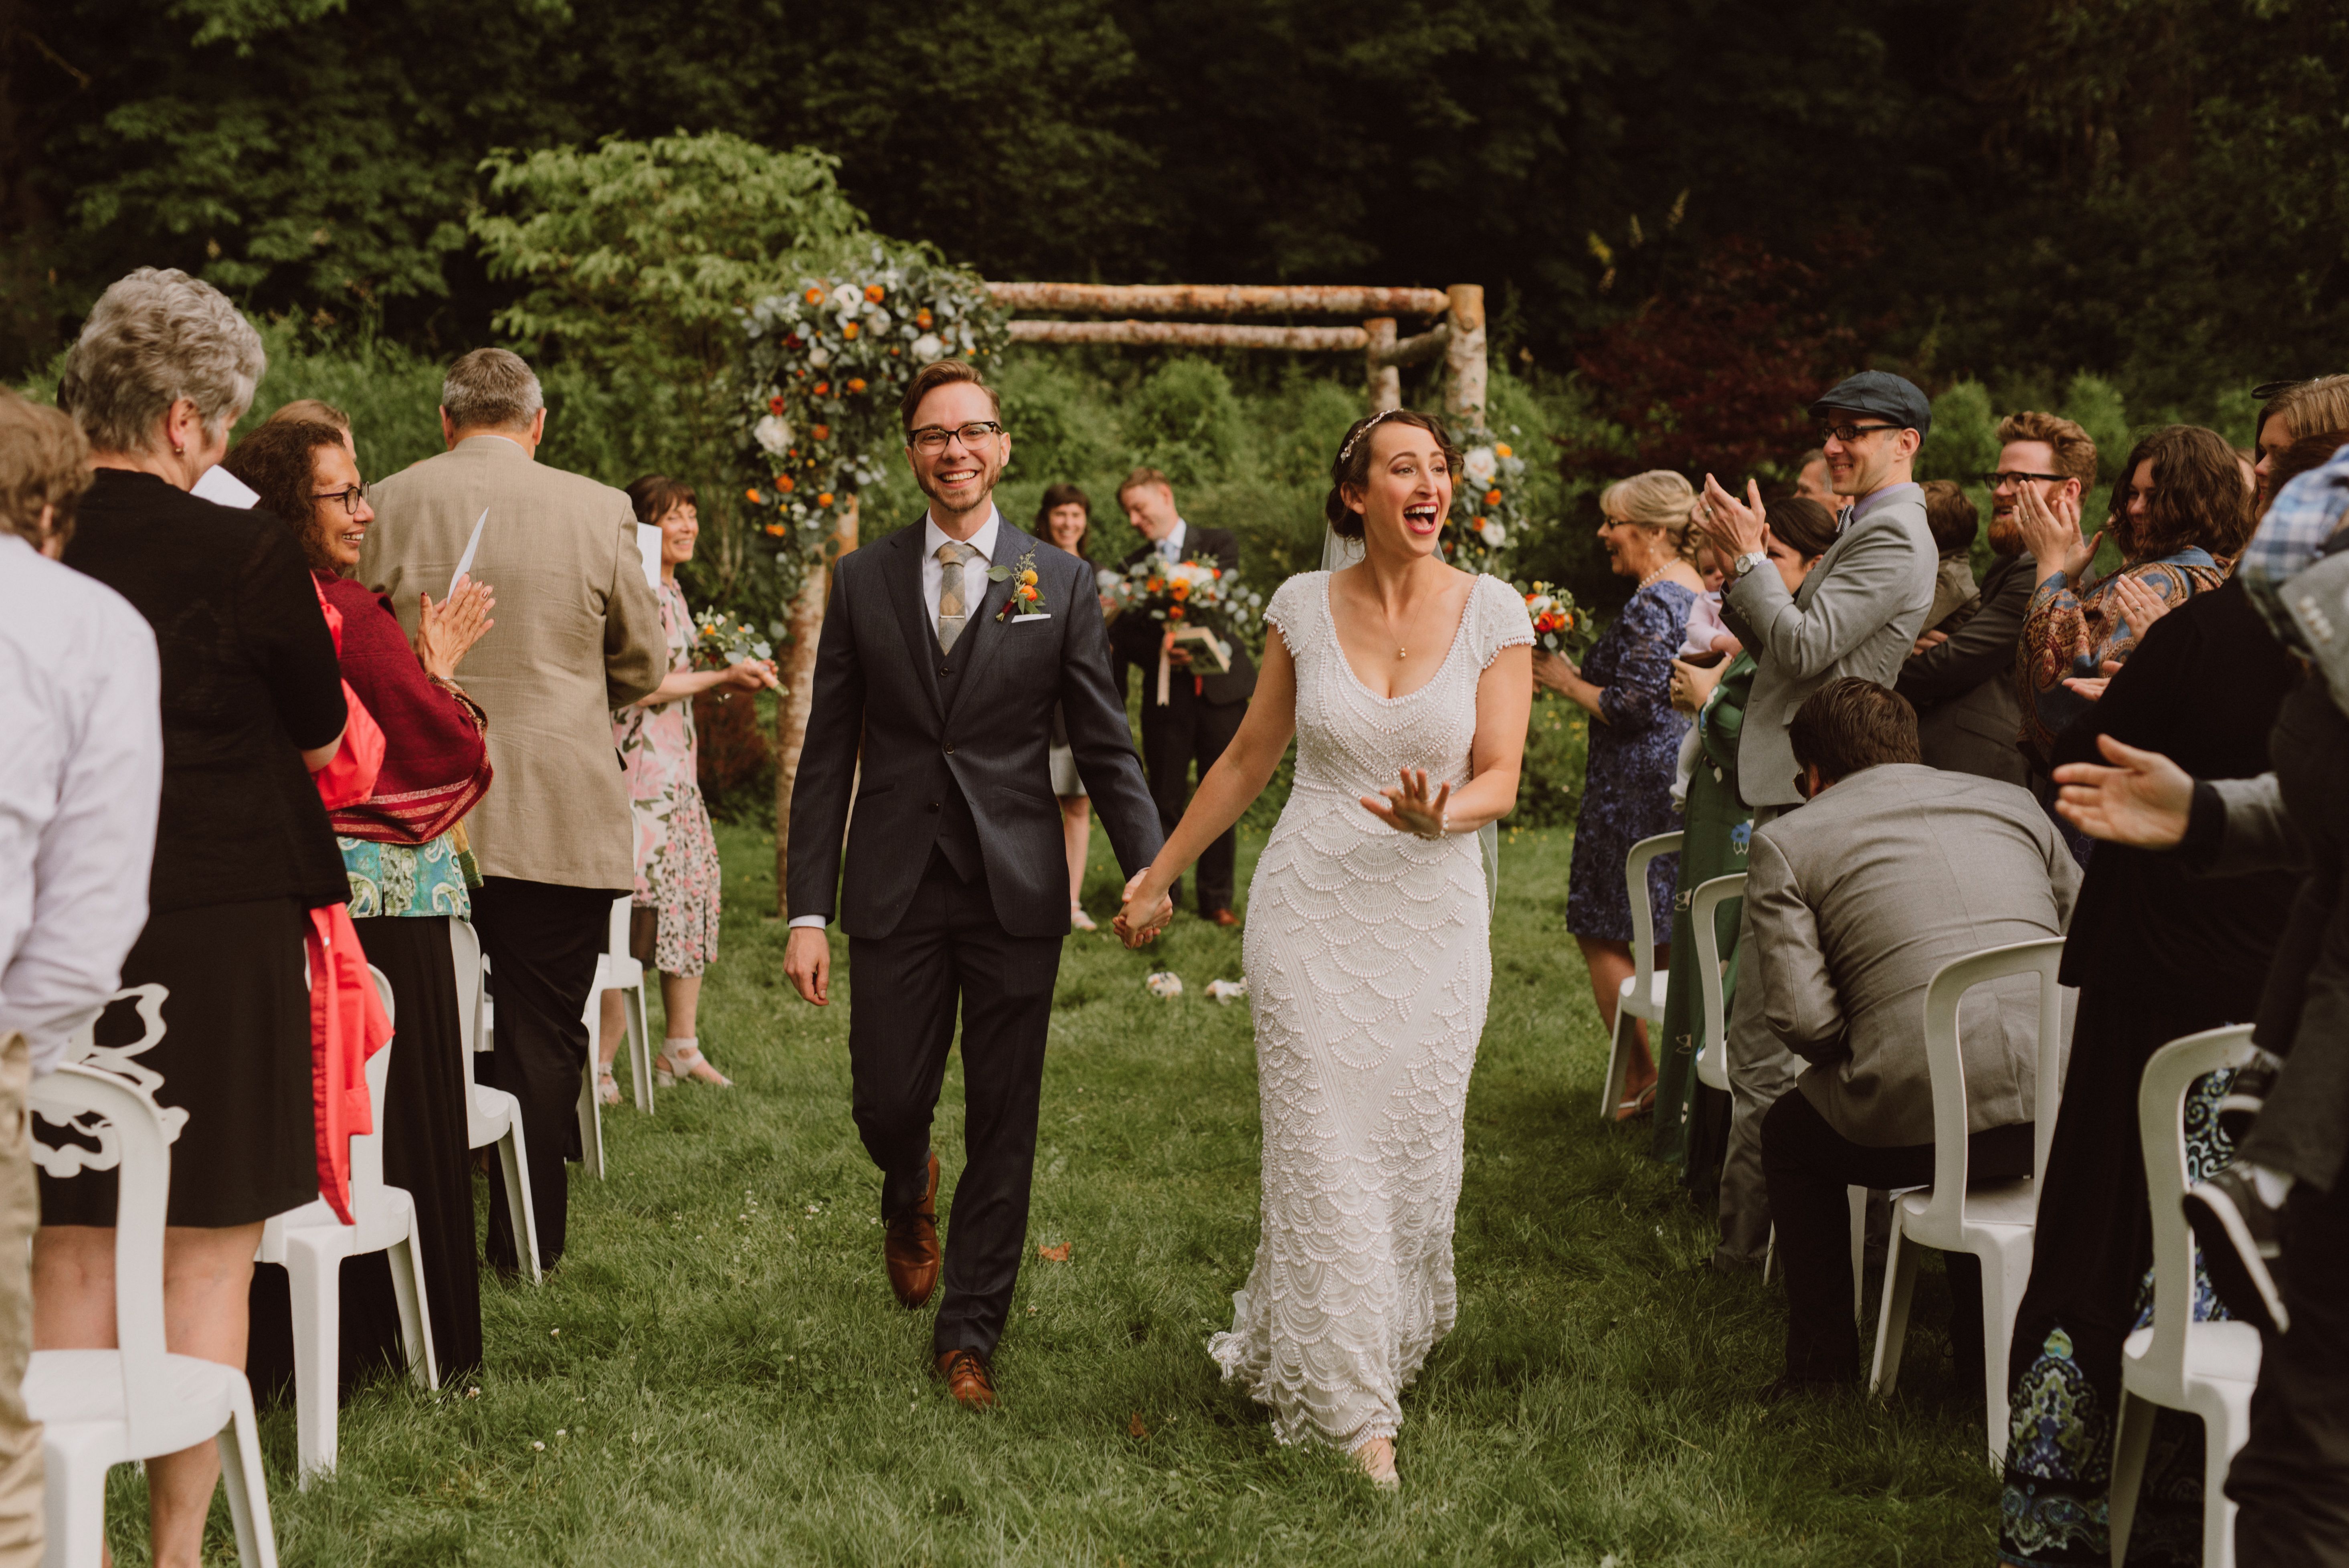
[1502, 620]
[1291, 606]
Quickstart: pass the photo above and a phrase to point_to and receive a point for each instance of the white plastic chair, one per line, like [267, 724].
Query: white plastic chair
[2206, 1369]
[310, 1243]
[1642, 996]
[1704, 906]
[1993, 1222]
[491, 1115]
[99, 1408]
[617, 970]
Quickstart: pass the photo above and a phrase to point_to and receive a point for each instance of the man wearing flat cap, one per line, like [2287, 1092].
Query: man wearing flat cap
[1858, 614]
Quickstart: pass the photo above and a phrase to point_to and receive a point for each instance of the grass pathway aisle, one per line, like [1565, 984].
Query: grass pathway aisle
[717, 1375]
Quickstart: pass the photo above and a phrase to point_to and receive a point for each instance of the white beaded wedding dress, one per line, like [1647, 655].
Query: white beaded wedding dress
[1368, 963]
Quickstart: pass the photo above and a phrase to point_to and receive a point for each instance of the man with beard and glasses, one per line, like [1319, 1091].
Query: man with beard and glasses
[1962, 682]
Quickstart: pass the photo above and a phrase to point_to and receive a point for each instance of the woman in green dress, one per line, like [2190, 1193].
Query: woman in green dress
[1717, 829]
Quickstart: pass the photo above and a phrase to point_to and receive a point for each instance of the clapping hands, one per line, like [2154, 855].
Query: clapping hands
[1411, 808]
[1734, 528]
[2051, 532]
[446, 631]
[1144, 914]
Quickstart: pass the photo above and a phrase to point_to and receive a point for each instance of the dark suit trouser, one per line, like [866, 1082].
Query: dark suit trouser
[950, 950]
[541, 940]
[1189, 727]
[2291, 1477]
[1809, 1164]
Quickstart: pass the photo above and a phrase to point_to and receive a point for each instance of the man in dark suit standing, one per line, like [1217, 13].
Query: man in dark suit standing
[1203, 710]
[946, 647]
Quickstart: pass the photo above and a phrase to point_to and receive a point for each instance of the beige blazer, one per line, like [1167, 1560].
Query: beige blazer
[1859, 896]
[578, 634]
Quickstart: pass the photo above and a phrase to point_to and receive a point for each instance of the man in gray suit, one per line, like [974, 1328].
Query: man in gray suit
[1857, 615]
[1968, 715]
[1890, 872]
[578, 634]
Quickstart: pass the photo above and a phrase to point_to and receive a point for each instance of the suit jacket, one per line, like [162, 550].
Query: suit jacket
[877, 689]
[578, 634]
[1136, 638]
[1858, 614]
[1857, 899]
[1967, 716]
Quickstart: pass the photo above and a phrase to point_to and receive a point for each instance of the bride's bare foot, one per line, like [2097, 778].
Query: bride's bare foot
[1377, 1459]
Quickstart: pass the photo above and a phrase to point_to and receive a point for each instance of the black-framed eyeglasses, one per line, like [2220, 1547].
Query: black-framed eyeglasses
[1848, 434]
[931, 440]
[349, 495]
[2016, 477]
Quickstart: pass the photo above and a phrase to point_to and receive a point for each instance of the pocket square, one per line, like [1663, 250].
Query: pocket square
[1023, 620]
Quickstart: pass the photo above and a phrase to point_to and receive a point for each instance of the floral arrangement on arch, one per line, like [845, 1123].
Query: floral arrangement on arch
[1487, 505]
[825, 367]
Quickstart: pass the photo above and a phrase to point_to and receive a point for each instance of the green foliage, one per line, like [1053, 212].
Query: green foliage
[1184, 420]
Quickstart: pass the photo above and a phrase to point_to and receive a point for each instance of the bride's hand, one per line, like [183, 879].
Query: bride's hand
[1143, 916]
[1410, 808]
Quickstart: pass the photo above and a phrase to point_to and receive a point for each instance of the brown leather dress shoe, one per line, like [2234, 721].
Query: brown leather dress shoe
[1225, 917]
[969, 1382]
[909, 1246]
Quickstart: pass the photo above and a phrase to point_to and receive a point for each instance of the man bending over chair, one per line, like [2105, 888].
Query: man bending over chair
[1889, 870]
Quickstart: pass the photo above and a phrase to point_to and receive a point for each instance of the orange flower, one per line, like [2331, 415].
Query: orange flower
[822, 432]
[823, 498]
[849, 329]
[921, 318]
[813, 296]
[1180, 591]
[784, 483]
[856, 384]
[875, 293]
[821, 387]
[1491, 497]
[776, 528]
[893, 354]
[755, 498]
[775, 405]
[1502, 449]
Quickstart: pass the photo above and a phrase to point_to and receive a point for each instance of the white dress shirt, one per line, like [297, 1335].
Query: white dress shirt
[1170, 549]
[81, 768]
[974, 572]
[934, 577]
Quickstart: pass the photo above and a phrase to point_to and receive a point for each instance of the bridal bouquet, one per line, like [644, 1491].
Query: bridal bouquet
[1195, 601]
[1558, 621]
[721, 640]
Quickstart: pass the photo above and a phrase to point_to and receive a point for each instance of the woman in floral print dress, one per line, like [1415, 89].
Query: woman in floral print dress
[674, 922]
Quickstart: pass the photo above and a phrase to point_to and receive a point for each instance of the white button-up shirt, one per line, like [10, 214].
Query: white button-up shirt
[974, 572]
[81, 769]
[1170, 549]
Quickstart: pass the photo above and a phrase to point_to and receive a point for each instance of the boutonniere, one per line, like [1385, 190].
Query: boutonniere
[1026, 601]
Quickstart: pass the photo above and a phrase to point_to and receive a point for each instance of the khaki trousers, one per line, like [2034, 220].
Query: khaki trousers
[20, 1214]
[1760, 1071]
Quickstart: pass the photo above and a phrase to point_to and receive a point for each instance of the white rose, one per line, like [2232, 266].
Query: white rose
[1481, 465]
[818, 356]
[848, 299]
[773, 433]
[1493, 533]
[876, 320]
[928, 347]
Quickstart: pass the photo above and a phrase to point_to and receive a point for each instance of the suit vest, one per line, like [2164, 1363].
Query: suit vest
[957, 837]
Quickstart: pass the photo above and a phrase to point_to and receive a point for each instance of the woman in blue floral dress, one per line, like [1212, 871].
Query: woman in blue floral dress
[1624, 684]
[674, 915]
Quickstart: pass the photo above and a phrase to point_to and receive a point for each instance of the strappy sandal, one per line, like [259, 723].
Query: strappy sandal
[1640, 1104]
[607, 1087]
[676, 1061]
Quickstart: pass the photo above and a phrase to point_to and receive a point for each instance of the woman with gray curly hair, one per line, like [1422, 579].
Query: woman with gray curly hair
[252, 704]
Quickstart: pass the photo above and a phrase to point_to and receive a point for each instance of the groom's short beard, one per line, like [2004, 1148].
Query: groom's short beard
[989, 472]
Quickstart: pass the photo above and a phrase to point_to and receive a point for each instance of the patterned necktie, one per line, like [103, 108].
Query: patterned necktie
[952, 612]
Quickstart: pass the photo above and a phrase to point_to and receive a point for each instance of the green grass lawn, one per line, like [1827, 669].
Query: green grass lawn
[718, 1373]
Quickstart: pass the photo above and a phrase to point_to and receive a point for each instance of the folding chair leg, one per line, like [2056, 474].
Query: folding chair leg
[1770, 1253]
[248, 1494]
[2217, 1509]
[314, 1281]
[407, 1261]
[1857, 1197]
[591, 1124]
[1618, 1066]
[2132, 1440]
[514, 1161]
[640, 1046]
[1892, 1318]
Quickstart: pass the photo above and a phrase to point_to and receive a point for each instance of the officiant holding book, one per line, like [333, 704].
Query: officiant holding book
[1203, 705]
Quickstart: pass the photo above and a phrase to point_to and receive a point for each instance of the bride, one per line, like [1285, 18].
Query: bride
[1366, 954]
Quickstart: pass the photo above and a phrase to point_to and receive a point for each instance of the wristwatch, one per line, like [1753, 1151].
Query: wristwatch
[1746, 562]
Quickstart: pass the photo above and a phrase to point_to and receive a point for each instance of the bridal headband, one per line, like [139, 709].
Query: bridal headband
[1366, 427]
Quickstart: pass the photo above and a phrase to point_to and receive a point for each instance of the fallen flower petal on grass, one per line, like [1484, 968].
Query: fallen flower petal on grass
[1059, 1254]
[1135, 1425]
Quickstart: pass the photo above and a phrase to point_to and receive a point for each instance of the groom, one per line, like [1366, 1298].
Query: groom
[957, 886]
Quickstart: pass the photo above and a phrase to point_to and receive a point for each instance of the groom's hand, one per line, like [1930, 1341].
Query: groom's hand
[807, 961]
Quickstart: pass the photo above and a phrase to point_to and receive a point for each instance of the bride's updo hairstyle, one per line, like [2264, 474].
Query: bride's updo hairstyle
[1660, 502]
[1353, 464]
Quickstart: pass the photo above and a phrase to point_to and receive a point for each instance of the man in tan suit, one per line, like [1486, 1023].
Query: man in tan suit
[578, 634]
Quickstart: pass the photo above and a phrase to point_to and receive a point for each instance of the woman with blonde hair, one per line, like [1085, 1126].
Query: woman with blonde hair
[1625, 685]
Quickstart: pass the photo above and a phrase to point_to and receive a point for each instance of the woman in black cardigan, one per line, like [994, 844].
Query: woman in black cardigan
[252, 702]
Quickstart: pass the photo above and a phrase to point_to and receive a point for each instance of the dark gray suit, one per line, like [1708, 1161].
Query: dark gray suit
[1967, 716]
[957, 882]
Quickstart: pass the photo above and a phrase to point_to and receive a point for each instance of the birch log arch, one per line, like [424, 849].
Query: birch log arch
[1448, 324]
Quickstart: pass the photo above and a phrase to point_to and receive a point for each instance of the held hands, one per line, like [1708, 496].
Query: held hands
[1735, 528]
[446, 631]
[1410, 808]
[2144, 800]
[2051, 531]
[1144, 914]
[750, 674]
[807, 964]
